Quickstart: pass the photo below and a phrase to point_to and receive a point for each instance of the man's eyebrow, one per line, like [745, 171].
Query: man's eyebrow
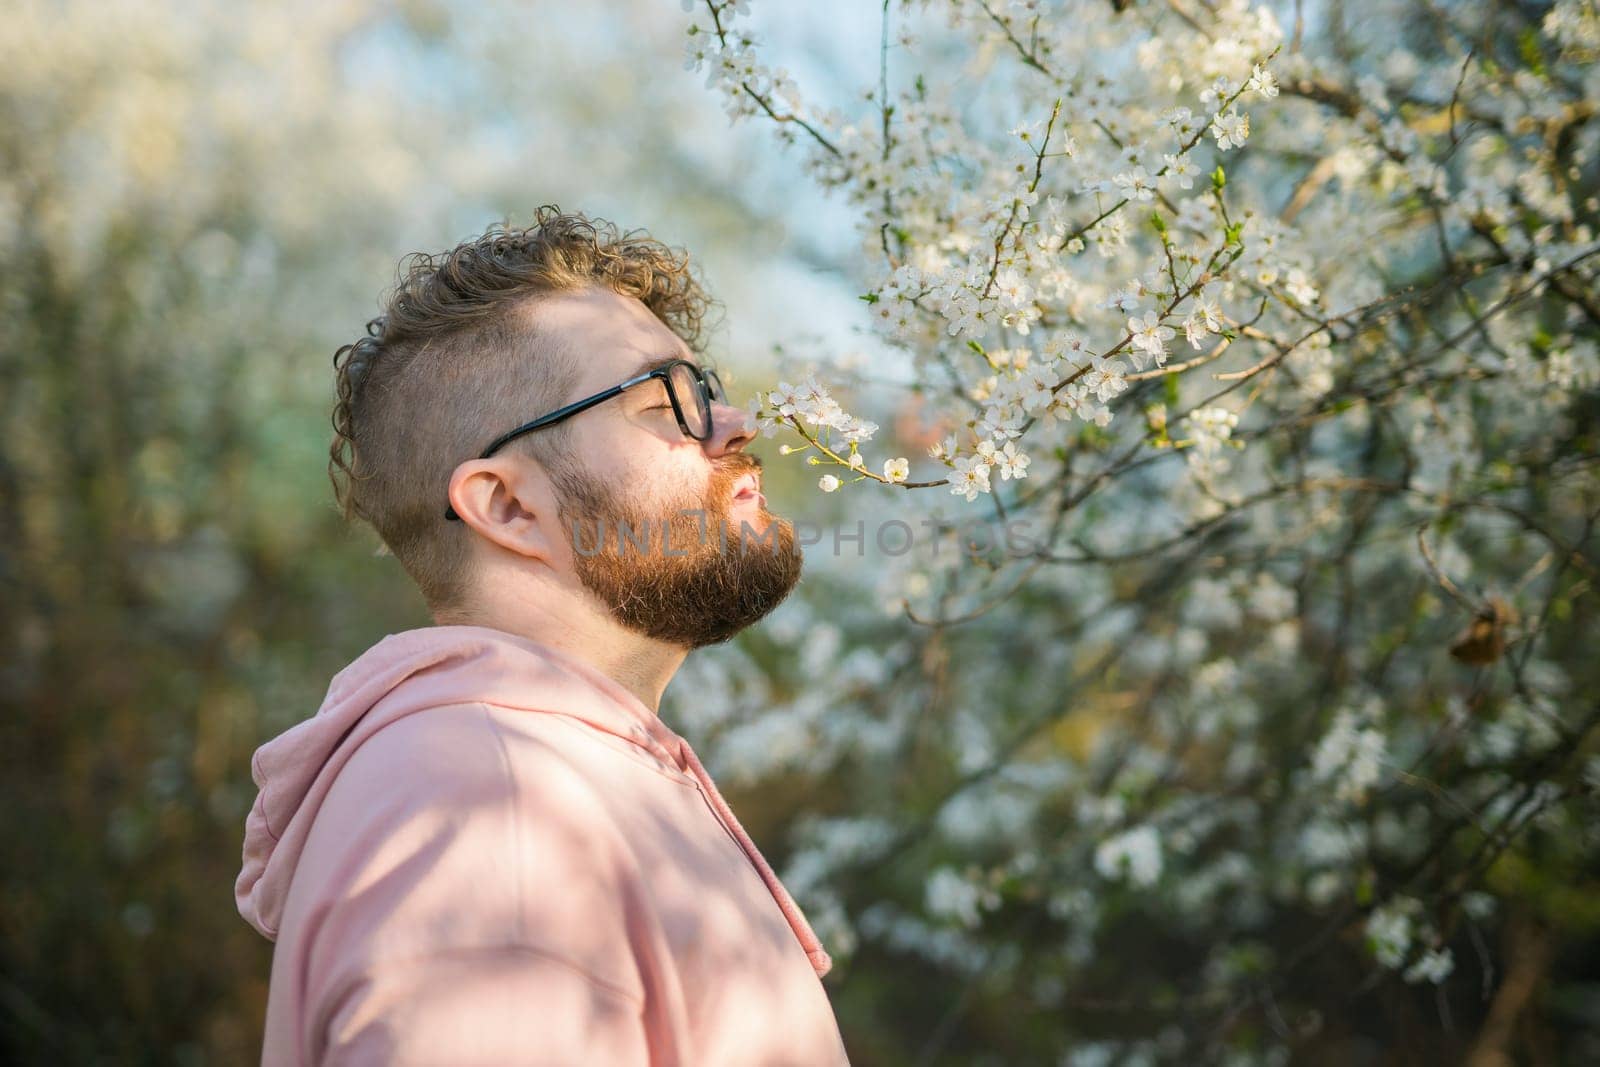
[656, 362]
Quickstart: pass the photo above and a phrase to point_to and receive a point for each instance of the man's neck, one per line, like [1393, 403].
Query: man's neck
[581, 629]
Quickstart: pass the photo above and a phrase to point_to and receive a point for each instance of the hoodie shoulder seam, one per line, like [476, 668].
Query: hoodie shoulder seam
[486, 715]
[524, 942]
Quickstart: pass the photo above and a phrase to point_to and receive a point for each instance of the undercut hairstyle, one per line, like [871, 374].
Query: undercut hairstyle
[457, 358]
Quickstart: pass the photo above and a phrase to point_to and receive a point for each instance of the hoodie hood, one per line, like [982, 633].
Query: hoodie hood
[426, 668]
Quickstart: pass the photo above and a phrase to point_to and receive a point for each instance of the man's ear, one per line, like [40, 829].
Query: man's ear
[509, 503]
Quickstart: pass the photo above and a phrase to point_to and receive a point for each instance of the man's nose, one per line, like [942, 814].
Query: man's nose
[731, 429]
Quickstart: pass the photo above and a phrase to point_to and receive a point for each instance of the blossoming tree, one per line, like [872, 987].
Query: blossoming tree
[1275, 326]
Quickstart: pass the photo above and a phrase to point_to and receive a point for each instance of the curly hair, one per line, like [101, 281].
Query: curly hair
[453, 359]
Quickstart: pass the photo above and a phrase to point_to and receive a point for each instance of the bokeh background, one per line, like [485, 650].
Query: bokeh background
[199, 203]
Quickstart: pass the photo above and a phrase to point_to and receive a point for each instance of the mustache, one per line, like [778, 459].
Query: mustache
[728, 468]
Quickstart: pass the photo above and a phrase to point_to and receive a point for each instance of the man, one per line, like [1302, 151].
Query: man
[486, 847]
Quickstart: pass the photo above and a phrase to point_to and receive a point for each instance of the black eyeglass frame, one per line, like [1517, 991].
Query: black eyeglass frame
[708, 388]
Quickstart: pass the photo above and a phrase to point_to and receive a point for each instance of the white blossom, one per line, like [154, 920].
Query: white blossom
[1350, 756]
[1230, 129]
[1150, 336]
[1106, 378]
[971, 477]
[1433, 966]
[1181, 169]
[1261, 82]
[1134, 854]
[1390, 930]
[1012, 464]
[1135, 184]
[950, 895]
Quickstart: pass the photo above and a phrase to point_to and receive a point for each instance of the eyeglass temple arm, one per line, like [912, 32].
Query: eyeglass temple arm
[555, 416]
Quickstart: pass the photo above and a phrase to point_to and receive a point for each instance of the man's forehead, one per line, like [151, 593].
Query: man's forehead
[614, 364]
[611, 337]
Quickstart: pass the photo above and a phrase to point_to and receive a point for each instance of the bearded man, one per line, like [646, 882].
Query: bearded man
[486, 847]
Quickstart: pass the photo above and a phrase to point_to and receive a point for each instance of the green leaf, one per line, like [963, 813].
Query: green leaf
[976, 347]
[871, 298]
[1528, 46]
[1170, 390]
[1364, 889]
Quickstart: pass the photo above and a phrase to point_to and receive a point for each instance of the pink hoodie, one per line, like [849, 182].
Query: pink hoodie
[484, 851]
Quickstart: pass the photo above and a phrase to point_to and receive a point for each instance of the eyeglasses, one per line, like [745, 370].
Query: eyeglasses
[689, 389]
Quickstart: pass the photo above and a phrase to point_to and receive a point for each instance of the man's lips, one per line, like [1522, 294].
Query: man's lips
[748, 488]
